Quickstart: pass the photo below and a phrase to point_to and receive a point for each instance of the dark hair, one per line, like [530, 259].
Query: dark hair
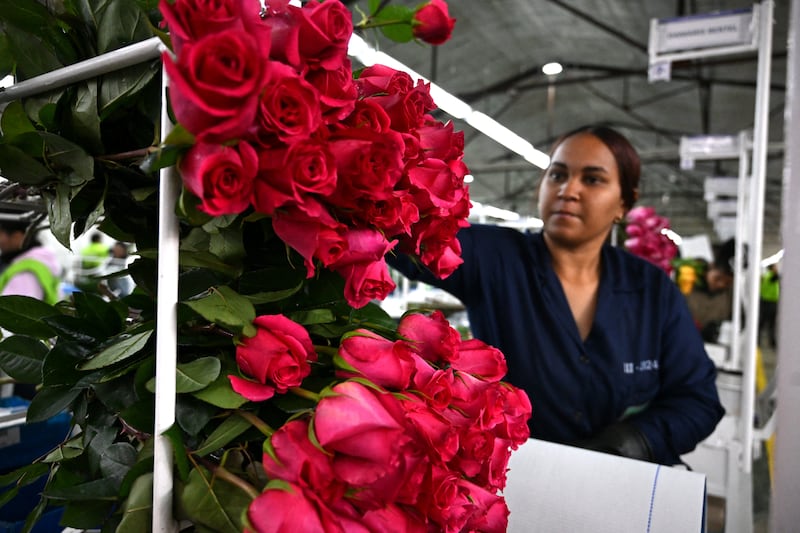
[624, 153]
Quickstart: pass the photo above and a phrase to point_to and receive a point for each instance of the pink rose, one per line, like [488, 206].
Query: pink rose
[490, 513]
[494, 471]
[364, 245]
[215, 84]
[481, 360]
[432, 22]
[363, 428]
[435, 385]
[439, 186]
[432, 337]
[288, 107]
[366, 281]
[383, 362]
[440, 141]
[447, 505]
[220, 176]
[292, 175]
[290, 455]
[477, 447]
[287, 507]
[437, 436]
[277, 357]
[312, 232]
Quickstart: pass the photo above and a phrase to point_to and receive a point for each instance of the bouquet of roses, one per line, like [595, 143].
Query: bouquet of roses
[647, 239]
[301, 405]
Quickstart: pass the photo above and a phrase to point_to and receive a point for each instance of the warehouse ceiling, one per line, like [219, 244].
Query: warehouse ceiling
[494, 60]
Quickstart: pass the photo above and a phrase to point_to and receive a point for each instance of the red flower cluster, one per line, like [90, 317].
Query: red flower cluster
[646, 238]
[418, 441]
[346, 168]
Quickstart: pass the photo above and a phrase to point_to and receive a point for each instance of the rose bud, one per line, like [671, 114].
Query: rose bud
[432, 22]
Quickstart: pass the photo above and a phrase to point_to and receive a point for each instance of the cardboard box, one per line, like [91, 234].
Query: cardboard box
[553, 488]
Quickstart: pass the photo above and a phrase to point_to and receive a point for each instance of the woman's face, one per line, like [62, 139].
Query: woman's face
[580, 194]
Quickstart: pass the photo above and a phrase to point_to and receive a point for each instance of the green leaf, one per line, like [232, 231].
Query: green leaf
[194, 376]
[141, 415]
[207, 260]
[314, 316]
[220, 506]
[6, 59]
[120, 87]
[192, 415]
[73, 328]
[19, 167]
[86, 515]
[229, 429]
[21, 358]
[33, 55]
[68, 450]
[59, 213]
[21, 477]
[15, 121]
[99, 489]
[178, 450]
[116, 460]
[398, 22]
[73, 165]
[49, 402]
[226, 307]
[60, 365]
[95, 309]
[137, 509]
[129, 346]
[227, 244]
[23, 315]
[220, 393]
[122, 23]
[85, 119]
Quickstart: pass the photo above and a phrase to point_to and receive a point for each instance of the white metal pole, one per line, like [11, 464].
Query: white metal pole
[757, 182]
[166, 334]
[96, 66]
[738, 270]
[785, 509]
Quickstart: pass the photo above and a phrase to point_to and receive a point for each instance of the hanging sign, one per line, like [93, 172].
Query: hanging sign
[726, 28]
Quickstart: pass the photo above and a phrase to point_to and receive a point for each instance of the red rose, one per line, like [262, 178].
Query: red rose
[362, 427]
[312, 232]
[432, 22]
[407, 110]
[382, 80]
[366, 281]
[437, 185]
[447, 505]
[364, 245]
[435, 385]
[216, 83]
[220, 176]
[380, 360]
[440, 141]
[493, 472]
[368, 114]
[369, 164]
[291, 176]
[325, 30]
[477, 447]
[393, 216]
[276, 357]
[514, 409]
[287, 507]
[337, 93]
[393, 518]
[190, 20]
[289, 455]
[288, 107]
[432, 337]
[480, 360]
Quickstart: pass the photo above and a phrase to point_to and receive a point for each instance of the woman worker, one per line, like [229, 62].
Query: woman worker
[602, 341]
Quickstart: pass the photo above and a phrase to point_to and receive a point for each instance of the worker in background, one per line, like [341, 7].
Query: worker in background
[769, 293]
[28, 268]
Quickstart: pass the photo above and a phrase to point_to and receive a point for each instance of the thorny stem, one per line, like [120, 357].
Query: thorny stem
[327, 350]
[256, 422]
[133, 154]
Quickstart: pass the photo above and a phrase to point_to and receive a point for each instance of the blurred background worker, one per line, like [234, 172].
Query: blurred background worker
[27, 268]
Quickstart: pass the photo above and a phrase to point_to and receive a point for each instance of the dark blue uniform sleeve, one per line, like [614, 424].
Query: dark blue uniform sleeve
[687, 407]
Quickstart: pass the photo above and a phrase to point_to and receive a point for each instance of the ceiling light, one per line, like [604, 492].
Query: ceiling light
[551, 69]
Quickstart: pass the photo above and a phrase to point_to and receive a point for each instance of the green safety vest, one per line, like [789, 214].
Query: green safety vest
[770, 288]
[43, 275]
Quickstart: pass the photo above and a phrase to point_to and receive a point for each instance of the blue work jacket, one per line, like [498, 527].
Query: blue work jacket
[643, 359]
